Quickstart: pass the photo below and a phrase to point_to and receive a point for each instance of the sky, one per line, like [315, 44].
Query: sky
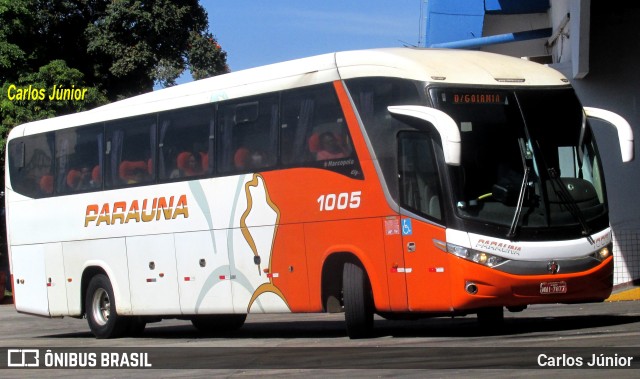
[255, 33]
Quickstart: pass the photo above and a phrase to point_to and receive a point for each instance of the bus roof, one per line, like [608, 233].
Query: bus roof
[429, 65]
[447, 66]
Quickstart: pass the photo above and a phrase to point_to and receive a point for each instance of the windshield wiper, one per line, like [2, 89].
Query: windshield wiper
[523, 190]
[516, 217]
[573, 208]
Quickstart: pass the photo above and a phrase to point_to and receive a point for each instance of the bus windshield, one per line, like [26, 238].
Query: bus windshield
[529, 161]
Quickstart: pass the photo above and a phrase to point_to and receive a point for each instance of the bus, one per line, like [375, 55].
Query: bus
[401, 182]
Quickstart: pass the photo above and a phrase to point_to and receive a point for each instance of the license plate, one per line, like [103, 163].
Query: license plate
[549, 288]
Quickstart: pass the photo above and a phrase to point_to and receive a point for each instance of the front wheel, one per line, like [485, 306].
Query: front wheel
[358, 301]
[100, 309]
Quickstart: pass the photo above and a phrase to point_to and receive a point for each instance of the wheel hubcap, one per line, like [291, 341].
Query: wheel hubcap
[101, 306]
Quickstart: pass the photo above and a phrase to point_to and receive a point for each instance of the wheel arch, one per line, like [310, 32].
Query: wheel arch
[331, 278]
[120, 290]
[88, 273]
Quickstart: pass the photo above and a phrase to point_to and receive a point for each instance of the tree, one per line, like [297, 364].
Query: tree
[114, 48]
[138, 43]
[12, 16]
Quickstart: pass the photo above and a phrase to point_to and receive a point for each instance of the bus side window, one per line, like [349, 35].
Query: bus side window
[129, 150]
[328, 141]
[78, 153]
[19, 183]
[313, 127]
[185, 143]
[419, 181]
[32, 172]
[371, 97]
[248, 134]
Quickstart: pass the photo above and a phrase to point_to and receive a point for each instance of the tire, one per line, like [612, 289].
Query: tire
[209, 324]
[491, 318]
[358, 301]
[101, 311]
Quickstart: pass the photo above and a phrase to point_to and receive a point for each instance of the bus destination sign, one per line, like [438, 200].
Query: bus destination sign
[478, 98]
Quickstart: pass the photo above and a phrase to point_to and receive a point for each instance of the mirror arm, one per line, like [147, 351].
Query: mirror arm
[625, 133]
[442, 122]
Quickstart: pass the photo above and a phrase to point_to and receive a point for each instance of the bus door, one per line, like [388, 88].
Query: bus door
[394, 254]
[421, 219]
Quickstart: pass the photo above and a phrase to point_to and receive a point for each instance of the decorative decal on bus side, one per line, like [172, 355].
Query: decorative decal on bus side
[123, 211]
[259, 202]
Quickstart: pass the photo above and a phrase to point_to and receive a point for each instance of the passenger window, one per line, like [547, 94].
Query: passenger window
[248, 135]
[314, 131]
[129, 152]
[78, 159]
[419, 181]
[31, 167]
[372, 96]
[186, 143]
[313, 126]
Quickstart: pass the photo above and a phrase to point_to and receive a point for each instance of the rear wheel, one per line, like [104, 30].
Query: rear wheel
[218, 323]
[358, 301]
[100, 308]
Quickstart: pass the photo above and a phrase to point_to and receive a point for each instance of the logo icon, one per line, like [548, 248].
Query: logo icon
[553, 267]
[23, 358]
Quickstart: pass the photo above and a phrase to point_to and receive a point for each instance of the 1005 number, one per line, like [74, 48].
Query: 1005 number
[339, 201]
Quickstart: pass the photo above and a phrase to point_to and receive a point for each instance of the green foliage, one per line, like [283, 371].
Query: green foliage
[206, 57]
[113, 48]
[139, 43]
[14, 16]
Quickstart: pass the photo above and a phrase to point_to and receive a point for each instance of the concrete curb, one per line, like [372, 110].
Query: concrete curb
[626, 295]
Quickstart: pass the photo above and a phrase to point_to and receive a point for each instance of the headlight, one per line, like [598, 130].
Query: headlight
[480, 257]
[602, 254]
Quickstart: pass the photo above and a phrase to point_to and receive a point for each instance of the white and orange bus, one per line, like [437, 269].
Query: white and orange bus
[402, 182]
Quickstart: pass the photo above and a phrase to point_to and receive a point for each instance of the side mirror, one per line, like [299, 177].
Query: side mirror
[625, 133]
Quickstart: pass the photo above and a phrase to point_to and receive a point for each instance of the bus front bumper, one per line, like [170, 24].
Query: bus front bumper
[475, 286]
